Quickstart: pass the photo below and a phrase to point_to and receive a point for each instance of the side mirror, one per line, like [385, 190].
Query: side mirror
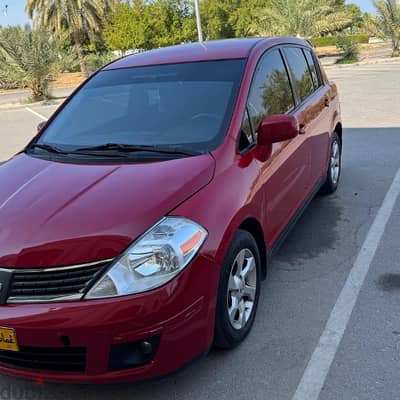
[40, 126]
[277, 128]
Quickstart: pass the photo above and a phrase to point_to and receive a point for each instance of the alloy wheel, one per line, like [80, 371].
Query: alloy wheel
[242, 289]
[335, 162]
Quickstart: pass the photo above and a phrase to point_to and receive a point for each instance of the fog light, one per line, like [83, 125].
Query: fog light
[146, 347]
[134, 354]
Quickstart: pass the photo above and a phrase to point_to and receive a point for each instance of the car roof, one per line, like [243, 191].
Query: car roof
[206, 51]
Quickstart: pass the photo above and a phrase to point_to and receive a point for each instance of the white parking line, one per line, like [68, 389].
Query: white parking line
[318, 367]
[36, 113]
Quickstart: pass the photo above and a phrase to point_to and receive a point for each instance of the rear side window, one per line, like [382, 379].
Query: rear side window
[324, 77]
[270, 92]
[313, 68]
[301, 77]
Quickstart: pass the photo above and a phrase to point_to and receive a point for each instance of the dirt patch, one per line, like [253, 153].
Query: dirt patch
[68, 80]
[368, 49]
[328, 51]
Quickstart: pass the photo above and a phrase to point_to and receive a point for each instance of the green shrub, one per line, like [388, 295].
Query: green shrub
[333, 40]
[94, 61]
[28, 58]
[69, 61]
[361, 38]
[324, 41]
[349, 48]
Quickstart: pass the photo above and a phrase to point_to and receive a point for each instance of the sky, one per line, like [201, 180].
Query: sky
[16, 13]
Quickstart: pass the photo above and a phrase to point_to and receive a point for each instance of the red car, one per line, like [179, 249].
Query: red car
[137, 226]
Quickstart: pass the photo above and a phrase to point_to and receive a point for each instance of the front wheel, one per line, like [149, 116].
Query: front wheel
[335, 166]
[239, 291]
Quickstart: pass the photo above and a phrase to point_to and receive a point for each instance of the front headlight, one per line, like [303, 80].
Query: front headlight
[157, 257]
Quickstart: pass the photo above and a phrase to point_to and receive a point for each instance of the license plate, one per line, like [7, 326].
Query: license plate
[8, 339]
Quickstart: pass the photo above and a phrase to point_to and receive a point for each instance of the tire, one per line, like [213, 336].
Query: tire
[334, 168]
[238, 291]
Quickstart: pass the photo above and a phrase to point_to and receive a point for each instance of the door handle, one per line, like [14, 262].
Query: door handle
[303, 129]
[327, 102]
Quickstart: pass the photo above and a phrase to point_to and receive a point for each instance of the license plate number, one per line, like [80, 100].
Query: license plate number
[8, 339]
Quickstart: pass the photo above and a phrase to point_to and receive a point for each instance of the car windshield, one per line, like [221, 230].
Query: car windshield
[184, 106]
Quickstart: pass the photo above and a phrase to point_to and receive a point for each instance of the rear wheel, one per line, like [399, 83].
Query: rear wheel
[335, 166]
[238, 292]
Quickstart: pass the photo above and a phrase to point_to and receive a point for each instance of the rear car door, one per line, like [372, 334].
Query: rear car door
[285, 174]
[312, 110]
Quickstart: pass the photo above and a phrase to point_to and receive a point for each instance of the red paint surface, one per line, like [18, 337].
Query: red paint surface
[55, 214]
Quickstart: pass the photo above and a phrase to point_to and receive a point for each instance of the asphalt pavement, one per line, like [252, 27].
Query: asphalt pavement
[306, 280]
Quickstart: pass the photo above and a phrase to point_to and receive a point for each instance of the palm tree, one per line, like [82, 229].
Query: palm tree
[28, 58]
[77, 17]
[305, 18]
[387, 22]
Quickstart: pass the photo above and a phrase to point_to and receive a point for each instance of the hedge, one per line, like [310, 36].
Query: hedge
[332, 40]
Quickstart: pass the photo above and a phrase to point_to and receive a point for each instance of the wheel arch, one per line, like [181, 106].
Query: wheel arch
[339, 130]
[253, 226]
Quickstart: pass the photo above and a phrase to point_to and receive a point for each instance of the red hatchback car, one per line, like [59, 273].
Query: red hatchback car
[137, 225]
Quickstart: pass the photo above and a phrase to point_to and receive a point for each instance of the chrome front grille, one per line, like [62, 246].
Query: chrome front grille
[53, 284]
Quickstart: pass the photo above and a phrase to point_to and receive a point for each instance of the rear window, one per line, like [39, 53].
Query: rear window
[301, 77]
[187, 105]
[313, 68]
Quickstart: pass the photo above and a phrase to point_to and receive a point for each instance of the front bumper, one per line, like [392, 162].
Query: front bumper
[180, 315]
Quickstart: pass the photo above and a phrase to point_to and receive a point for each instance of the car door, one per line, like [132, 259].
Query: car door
[321, 136]
[312, 109]
[285, 174]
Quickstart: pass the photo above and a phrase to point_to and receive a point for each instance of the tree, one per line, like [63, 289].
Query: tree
[245, 17]
[357, 19]
[126, 27]
[171, 22]
[29, 58]
[141, 24]
[305, 18]
[387, 23]
[349, 48]
[78, 17]
[230, 18]
[216, 18]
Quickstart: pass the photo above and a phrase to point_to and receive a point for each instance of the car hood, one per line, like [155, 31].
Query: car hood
[54, 214]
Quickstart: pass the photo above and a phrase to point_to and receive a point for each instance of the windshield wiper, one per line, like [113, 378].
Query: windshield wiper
[130, 148]
[48, 148]
[56, 150]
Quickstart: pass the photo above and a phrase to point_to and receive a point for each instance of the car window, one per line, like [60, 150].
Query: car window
[186, 105]
[312, 66]
[270, 92]
[301, 77]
